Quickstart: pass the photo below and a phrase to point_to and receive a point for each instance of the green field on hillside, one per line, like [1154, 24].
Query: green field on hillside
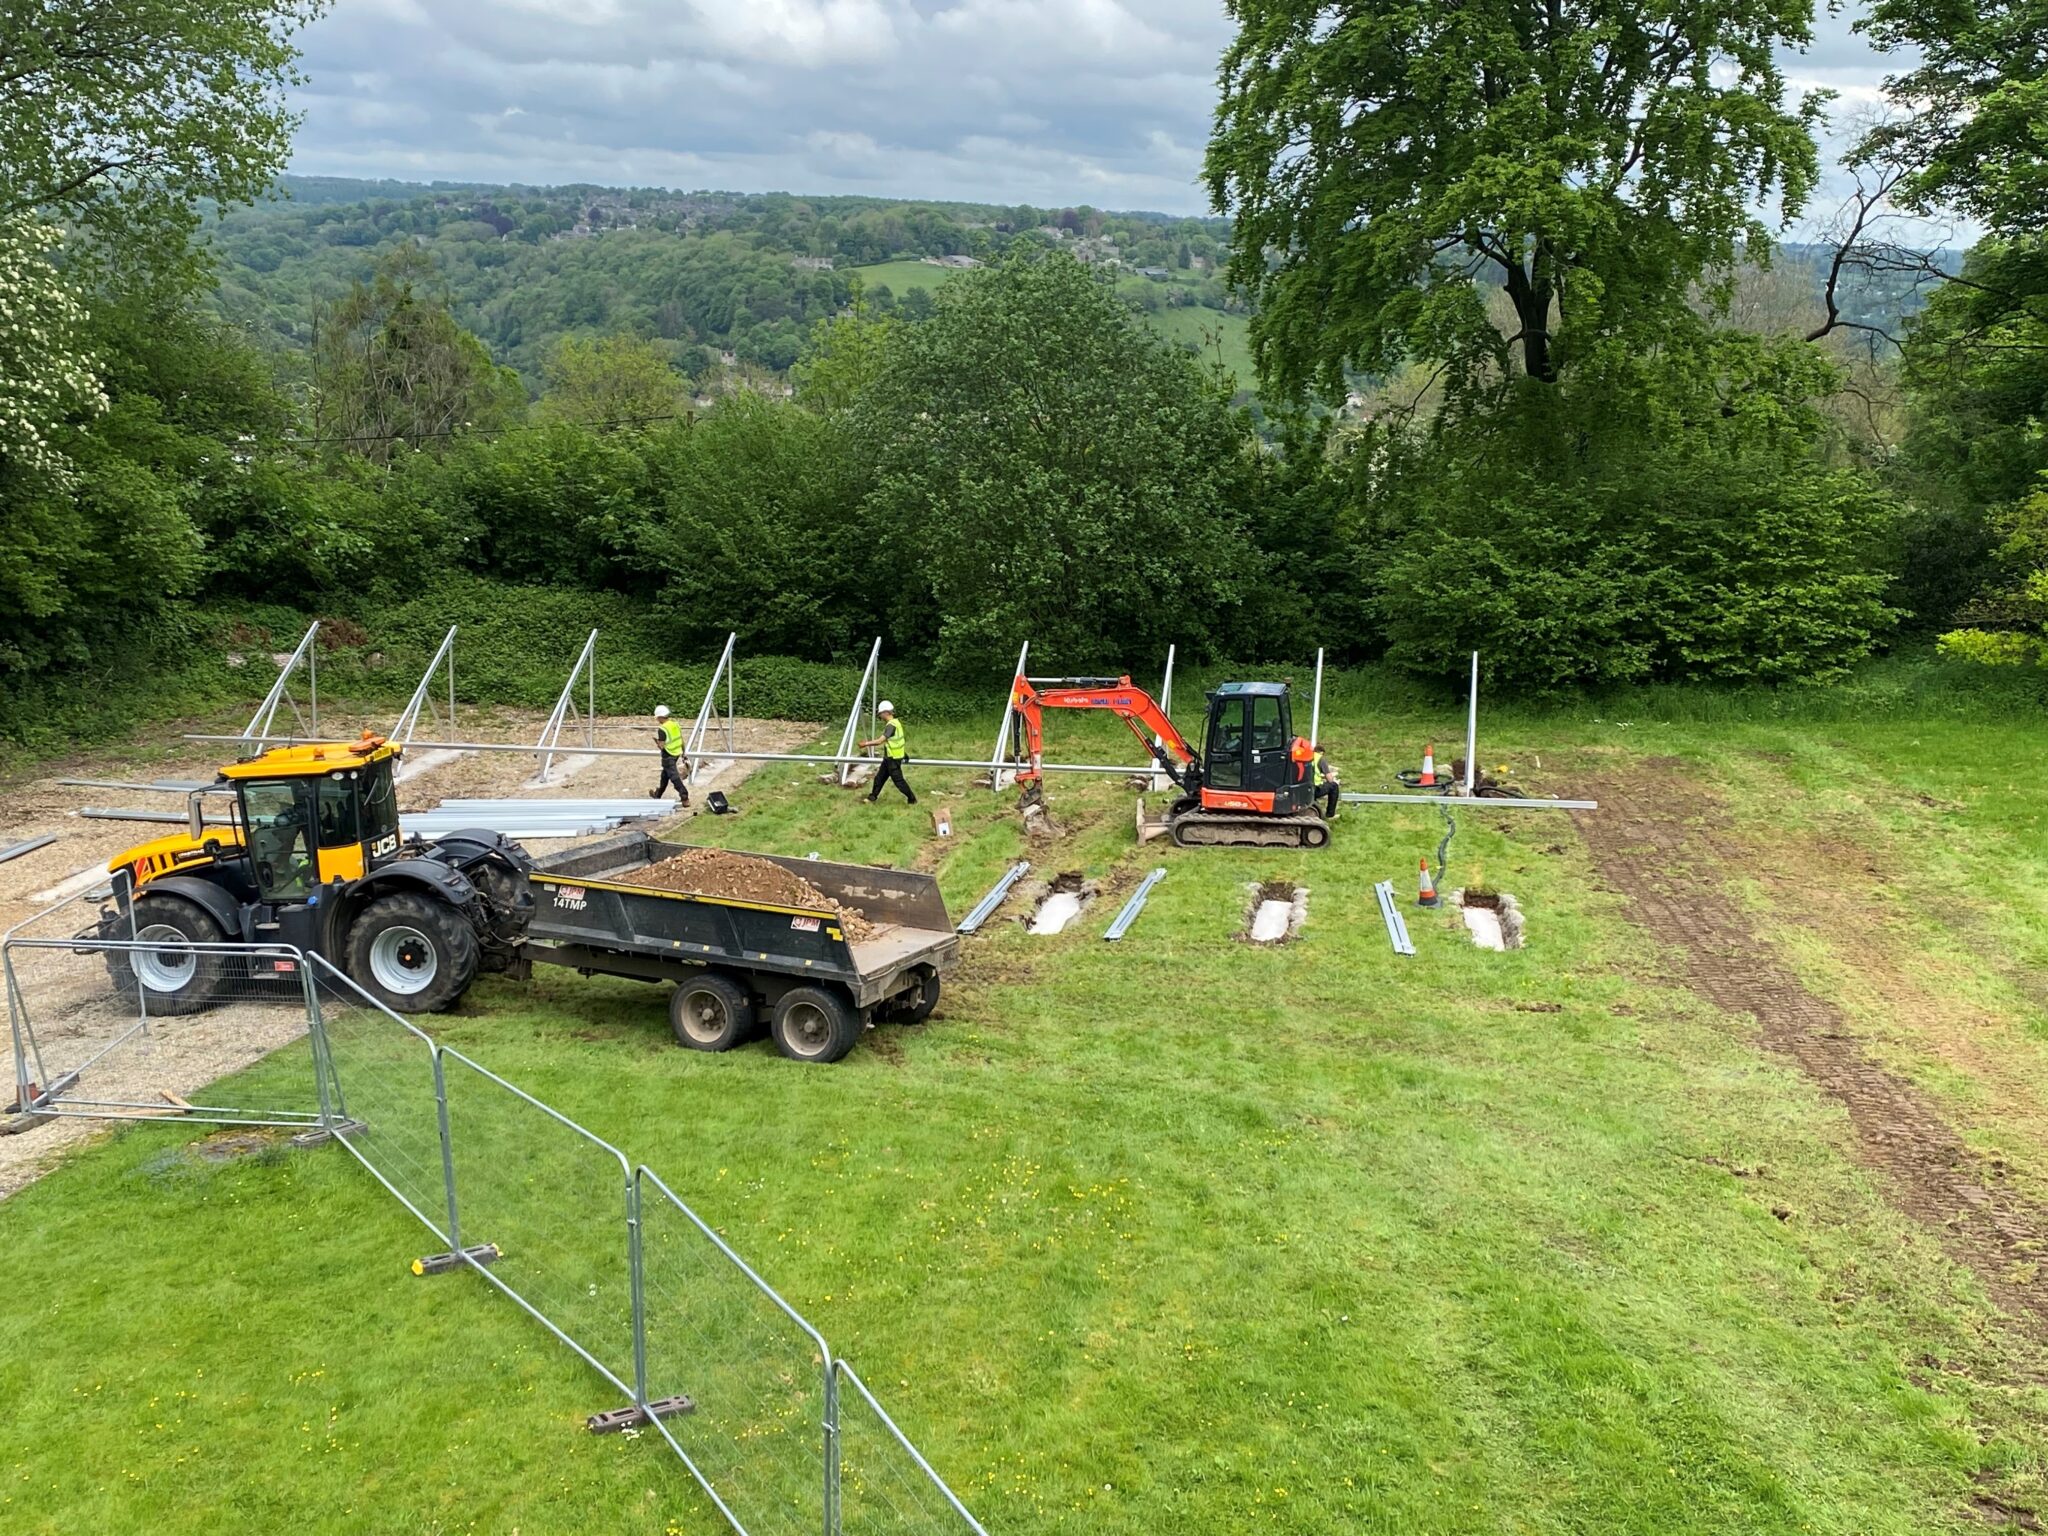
[1184, 1234]
[1192, 326]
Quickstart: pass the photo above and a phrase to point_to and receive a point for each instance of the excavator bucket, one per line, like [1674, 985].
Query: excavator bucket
[1149, 828]
[1038, 823]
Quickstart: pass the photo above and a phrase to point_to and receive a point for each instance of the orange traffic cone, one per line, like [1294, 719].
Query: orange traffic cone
[1427, 896]
[1428, 779]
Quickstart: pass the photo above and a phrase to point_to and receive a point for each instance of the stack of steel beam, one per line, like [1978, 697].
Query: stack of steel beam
[533, 817]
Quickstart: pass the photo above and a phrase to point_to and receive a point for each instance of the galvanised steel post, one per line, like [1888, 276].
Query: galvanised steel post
[316, 1032]
[635, 1258]
[831, 1446]
[447, 1151]
[15, 1008]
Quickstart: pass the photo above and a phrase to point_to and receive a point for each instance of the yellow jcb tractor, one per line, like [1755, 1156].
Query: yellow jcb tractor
[311, 855]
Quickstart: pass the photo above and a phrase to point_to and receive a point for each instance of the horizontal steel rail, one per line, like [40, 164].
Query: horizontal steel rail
[1505, 803]
[709, 754]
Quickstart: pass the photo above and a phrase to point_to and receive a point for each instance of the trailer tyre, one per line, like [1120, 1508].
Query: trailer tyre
[413, 953]
[915, 1005]
[177, 978]
[814, 1024]
[710, 1013]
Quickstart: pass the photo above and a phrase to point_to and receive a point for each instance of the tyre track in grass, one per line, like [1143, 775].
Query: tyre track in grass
[1664, 844]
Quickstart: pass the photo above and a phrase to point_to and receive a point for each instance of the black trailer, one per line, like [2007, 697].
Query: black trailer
[738, 963]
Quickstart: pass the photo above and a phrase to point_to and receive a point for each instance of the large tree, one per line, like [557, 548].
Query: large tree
[1390, 161]
[126, 117]
[392, 369]
[1048, 469]
[1973, 118]
[610, 381]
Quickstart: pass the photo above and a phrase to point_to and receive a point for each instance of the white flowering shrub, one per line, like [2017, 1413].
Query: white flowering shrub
[46, 377]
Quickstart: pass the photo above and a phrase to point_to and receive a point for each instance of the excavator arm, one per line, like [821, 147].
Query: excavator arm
[1136, 708]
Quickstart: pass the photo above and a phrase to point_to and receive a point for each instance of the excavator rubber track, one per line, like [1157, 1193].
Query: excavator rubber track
[1236, 829]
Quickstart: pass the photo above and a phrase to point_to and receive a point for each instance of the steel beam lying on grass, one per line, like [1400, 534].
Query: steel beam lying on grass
[1390, 913]
[16, 850]
[985, 908]
[1134, 906]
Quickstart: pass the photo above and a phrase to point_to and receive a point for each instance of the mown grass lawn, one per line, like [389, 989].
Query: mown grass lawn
[1171, 1235]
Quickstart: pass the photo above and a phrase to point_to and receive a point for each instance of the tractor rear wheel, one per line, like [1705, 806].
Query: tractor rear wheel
[412, 953]
[710, 1012]
[175, 977]
[814, 1024]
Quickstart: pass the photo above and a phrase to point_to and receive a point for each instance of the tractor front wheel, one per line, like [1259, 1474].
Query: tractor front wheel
[176, 974]
[412, 953]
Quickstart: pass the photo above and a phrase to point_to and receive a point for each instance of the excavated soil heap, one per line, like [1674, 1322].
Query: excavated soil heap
[741, 877]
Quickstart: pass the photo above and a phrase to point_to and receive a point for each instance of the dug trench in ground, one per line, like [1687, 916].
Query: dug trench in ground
[1662, 842]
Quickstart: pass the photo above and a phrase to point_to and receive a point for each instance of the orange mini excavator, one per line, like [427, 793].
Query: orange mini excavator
[1249, 786]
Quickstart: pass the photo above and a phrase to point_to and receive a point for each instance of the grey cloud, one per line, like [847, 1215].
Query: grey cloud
[1041, 101]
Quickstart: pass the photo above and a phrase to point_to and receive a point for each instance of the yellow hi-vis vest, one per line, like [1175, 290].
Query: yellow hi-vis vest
[1320, 774]
[892, 738]
[672, 737]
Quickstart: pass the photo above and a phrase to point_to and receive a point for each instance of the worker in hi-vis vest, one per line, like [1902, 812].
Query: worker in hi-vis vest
[891, 742]
[668, 735]
[1325, 782]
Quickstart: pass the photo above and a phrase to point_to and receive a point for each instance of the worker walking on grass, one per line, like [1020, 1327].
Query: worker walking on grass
[668, 735]
[1324, 781]
[891, 742]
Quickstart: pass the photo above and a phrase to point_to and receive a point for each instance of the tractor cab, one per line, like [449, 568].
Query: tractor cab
[312, 857]
[313, 815]
[1251, 758]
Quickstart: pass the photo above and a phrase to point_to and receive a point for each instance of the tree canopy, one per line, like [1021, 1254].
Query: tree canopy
[1389, 162]
[125, 117]
[1973, 118]
[1046, 468]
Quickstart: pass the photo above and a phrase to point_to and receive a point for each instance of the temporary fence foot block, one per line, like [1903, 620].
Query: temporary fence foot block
[437, 1263]
[634, 1417]
[327, 1133]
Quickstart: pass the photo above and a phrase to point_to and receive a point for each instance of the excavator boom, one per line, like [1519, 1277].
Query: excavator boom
[1131, 704]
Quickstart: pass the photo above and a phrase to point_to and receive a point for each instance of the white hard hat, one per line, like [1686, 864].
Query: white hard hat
[661, 711]
[886, 708]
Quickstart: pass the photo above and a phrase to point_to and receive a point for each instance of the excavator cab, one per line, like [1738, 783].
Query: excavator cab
[1251, 760]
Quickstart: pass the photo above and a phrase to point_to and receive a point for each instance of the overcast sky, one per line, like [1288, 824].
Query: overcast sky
[1054, 102]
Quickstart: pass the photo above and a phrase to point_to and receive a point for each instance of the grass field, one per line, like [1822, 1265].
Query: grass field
[1199, 328]
[1184, 1235]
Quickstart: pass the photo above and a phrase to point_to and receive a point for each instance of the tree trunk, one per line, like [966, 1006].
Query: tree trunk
[1531, 297]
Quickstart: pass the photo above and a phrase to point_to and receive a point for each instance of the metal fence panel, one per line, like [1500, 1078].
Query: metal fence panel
[885, 1487]
[553, 1199]
[116, 1028]
[381, 1071]
[718, 1335]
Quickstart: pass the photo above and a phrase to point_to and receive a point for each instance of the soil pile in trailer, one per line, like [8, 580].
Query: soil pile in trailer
[741, 877]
